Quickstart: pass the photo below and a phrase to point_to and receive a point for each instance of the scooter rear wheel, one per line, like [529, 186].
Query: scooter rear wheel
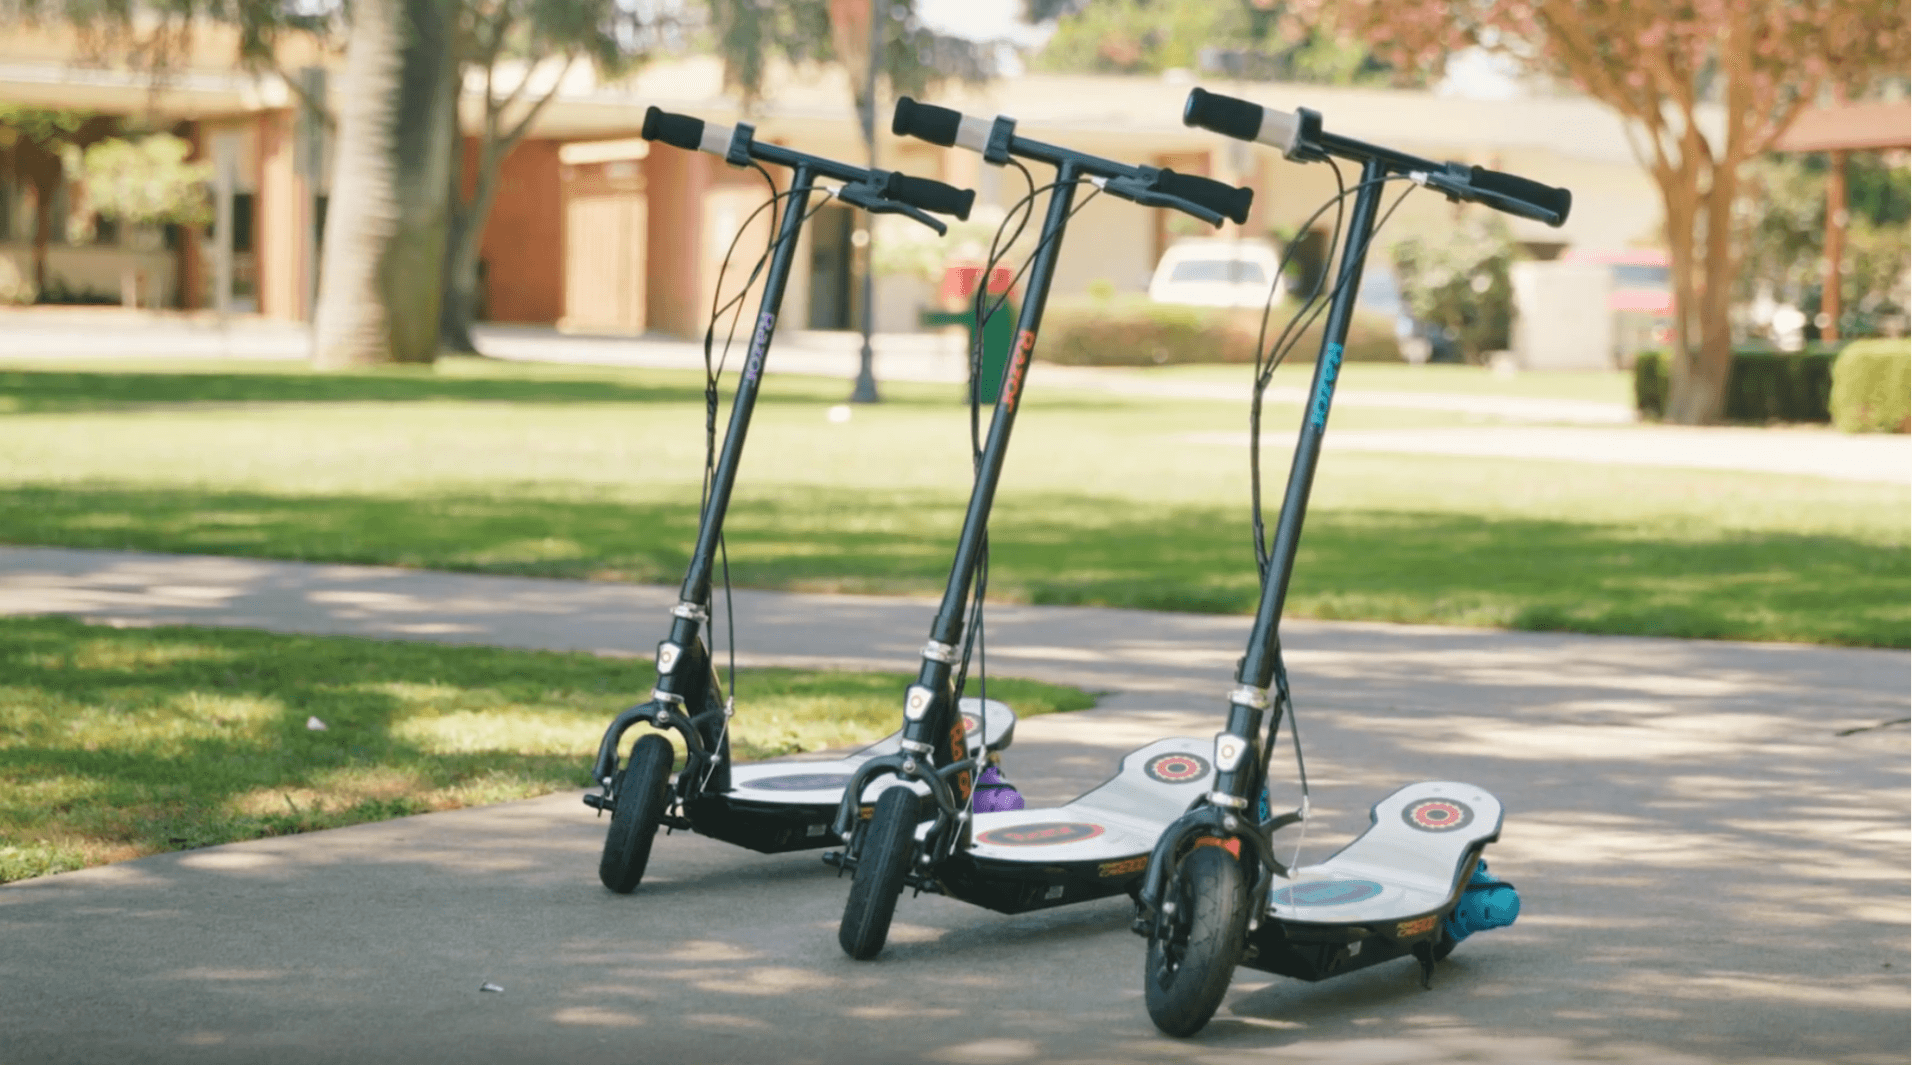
[889, 842]
[1192, 955]
[642, 794]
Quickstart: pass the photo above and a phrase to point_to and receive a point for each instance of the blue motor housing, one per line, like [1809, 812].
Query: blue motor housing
[1485, 903]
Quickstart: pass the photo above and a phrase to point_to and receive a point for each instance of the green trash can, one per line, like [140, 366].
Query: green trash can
[999, 332]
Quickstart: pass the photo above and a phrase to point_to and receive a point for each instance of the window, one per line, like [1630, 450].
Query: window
[1226, 270]
[1632, 276]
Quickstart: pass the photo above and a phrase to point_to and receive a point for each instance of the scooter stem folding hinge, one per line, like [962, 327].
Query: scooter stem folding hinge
[659, 695]
[1249, 696]
[690, 611]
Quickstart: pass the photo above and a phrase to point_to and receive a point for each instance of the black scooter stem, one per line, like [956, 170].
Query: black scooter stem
[1258, 665]
[935, 673]
[710, 528]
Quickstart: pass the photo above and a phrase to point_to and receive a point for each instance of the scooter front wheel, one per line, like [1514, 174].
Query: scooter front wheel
[642, 794]
[889, 842]
[1192, 955]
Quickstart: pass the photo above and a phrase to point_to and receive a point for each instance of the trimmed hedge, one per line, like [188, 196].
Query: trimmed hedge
[1761, 386]
[1135, 331]
[1872, 387]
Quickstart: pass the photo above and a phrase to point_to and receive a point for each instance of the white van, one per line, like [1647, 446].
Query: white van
[1211, 272]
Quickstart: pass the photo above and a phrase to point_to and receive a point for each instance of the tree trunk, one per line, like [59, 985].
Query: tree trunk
[380, 282]
[461, 250]
[42, 236]
[1697, 388]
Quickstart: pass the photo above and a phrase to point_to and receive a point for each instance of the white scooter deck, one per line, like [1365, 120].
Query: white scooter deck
[1095, 845]
[1411, 861]
[821, 783]
[1381, 896]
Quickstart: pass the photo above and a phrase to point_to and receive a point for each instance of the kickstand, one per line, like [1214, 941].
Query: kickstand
[1424, 951]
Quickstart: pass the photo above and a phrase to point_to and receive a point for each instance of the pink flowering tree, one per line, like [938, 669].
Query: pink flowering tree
[1704, 87]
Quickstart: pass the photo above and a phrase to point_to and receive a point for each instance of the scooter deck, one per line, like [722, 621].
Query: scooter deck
[1385, 892]
[1096, 845]
[788, 805]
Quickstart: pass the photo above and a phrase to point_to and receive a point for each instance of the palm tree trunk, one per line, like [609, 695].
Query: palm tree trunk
[379, 285]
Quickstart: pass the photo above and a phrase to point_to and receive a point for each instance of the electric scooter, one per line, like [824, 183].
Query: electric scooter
[1413, 883]
[769, 806]
[926, 832]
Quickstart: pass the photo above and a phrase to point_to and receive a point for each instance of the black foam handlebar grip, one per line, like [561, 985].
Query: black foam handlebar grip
[678, 131]
[1226, 200]
[936, 125]
[931, 195]
[1553, 202]
[1222, 114]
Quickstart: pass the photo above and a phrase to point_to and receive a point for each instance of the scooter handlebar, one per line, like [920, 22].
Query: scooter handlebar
[1548, 204]
[683, 131]
[940, 125]
[930, 195]
[1241, 119]
[1229, 201]
[1248, 121]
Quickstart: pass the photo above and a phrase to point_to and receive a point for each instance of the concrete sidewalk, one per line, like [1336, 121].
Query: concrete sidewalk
[1709, 873]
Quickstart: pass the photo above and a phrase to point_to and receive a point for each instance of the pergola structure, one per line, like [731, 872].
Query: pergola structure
[1840, 130]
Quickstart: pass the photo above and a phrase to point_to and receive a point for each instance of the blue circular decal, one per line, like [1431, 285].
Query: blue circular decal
[1327, 893]
[800, 782]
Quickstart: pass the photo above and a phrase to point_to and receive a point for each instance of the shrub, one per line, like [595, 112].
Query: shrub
[1761, 386]
[15, 286]
[1135, 331]
[1462, 281]
[1872, 387]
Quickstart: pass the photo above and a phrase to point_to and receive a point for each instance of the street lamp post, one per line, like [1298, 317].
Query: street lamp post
[865, 390]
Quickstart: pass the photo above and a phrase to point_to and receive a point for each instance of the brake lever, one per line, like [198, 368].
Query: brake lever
[872, 200]
[1137, 191]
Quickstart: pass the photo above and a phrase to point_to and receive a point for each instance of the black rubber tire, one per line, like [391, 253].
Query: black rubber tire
[1192, 956]
[889, 845]
[643, 791]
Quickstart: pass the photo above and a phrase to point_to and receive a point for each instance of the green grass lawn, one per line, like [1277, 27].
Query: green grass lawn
[120, 742]
[1107, 499]
[1610, 386]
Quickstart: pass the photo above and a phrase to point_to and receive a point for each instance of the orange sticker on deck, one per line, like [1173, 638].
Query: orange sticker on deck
[1415, 927]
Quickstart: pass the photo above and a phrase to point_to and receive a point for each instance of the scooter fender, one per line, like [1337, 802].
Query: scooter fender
[676, 721]
[850, 806]
[1206, 820]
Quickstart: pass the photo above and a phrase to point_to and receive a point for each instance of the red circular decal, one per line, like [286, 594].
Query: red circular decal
[1437, 815]
[971, 723]
[1176, 768]
[1041, 834]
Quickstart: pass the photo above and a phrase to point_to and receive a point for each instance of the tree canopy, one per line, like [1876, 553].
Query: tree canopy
[1259, 40]
[1705, 86]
